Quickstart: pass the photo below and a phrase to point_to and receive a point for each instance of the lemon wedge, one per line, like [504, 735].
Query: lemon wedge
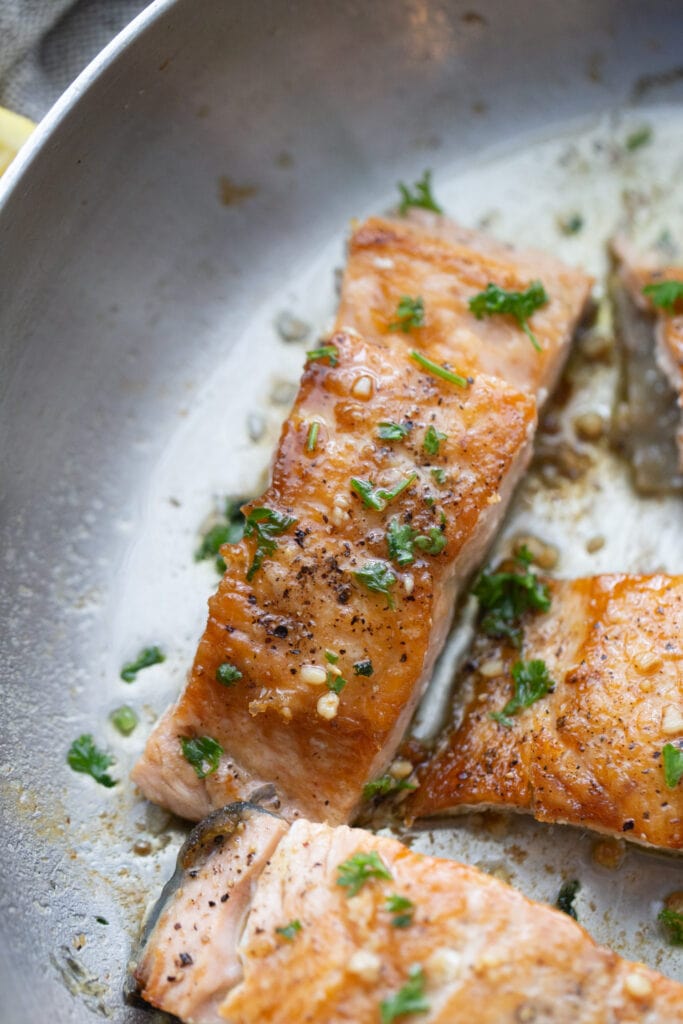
[14, 131]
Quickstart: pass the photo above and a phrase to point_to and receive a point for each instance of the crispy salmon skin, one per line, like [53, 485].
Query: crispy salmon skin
[344, 925]
[330, 641]
[590, 752]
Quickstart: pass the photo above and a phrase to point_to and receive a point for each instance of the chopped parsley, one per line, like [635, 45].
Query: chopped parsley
[384, 785]
[402, 538]
[330, 352]
[359, 869]
[228, 674]
[439, 371]
[379, 497]
[664, 294]
[229, 531]
[393, 431]
[124, 719]
[363, 668]
[378, 577]
[495, 300]
[335, 683]
[331, 658]
[203, 753]
[434, 543]
[409, 313]
[439, 475]
[532, 682]
[83, 756]
[566, 897]
[147, 656]
[432, 440]
[504, 597]
[265, 524]
[288, 931]
[639, 137]
[570, 225]
[421, 195]
[673, 922]
[409, 999]
[312, 439]
[672, 761]
[403, 908]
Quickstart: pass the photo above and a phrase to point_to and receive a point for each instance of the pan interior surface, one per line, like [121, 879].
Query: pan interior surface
[197, 187]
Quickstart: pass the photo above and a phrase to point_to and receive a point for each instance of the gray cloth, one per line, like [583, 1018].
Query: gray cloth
[44, 44]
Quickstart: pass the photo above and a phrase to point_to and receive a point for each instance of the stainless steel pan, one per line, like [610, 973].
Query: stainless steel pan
[194, 183]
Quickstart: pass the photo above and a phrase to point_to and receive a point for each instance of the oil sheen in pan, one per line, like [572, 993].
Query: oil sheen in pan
[566, 193]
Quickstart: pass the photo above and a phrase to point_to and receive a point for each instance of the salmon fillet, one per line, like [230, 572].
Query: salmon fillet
[590, 752]
[279, 627]
[429, 256]
[285, 926]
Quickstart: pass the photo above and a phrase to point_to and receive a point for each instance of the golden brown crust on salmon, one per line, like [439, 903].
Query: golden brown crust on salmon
[590, 752]
[275, 627]
[311, 951]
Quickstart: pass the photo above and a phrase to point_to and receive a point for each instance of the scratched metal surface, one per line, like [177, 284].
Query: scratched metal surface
[195, 183]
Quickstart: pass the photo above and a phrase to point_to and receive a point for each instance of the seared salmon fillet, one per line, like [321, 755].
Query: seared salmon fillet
[344, 925]
[321, 638]
[592, 751]
[430, 257]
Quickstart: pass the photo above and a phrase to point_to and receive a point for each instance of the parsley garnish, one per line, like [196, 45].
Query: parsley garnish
[385, 784]
[665, 294]
[400, 537]
[359, 869]
[439, 475]
[379, 497]
[566, 897]
[434, 543]
[203, 753]
[230, 531]
[265, 524]
[640, 137]
[378, 577]
[124, 719]
[673, 922]
[532, 682]
[83, 756]
[409, 313]
[403, 908]
[335, 683]
[330, 352]
[148, 656]
[312, 439]
[421, 196]
[409, 999]
[288, 931]
[363, 668]
[506, 596]
[432, 440]
[570, 225]
[495, 300]
[331, 658]
[393, 431]
[439, 371]
[672, 760]
[227, 674]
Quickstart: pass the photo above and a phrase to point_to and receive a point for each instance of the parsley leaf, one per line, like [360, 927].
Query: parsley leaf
[384, 785]
[331, 657]
[432, 440]
[330, 352]
[312, 439]
[673, 922]
[495, 300]
[639, 137]
[147, 656]
[335, 683]
[228, 674]
[403, 908]
[228, 531]
[378, 577]
[393, 431]
[379, 497]
[665, 294]
[83, 756]
[409, 313]
[400, 537]
[266, 524]
[672, 760]
[363, 668]
[439, 371]
[203, 753]
[532, 682]
[359, 869]
[439, 475]
[409, 999]
[420, 197]
[505, 596]
[288, 931]
[434, 543]
[566, 897]
[124, 719]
